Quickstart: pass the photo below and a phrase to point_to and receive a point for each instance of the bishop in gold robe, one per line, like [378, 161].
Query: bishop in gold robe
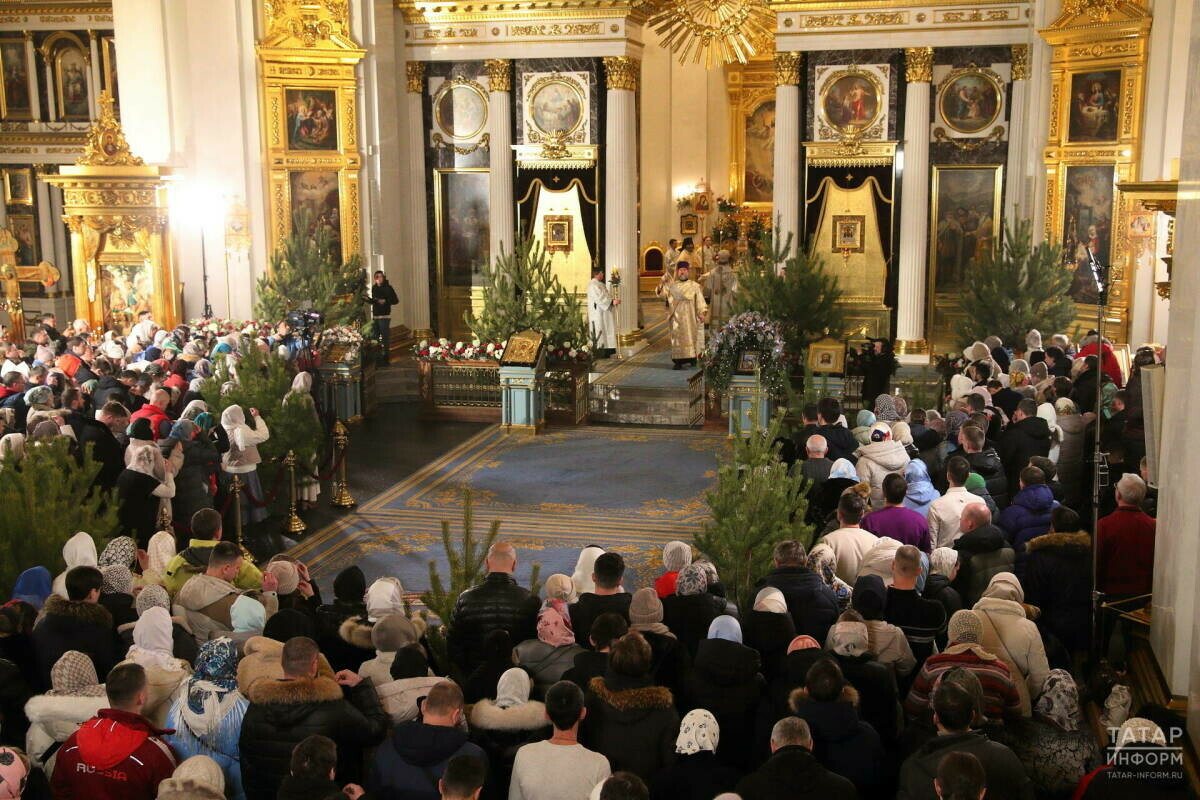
[685, 298]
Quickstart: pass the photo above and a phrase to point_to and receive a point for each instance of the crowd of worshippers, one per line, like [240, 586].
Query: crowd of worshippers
[136, 401]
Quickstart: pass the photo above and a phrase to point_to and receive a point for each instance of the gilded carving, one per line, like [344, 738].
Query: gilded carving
[106, 145]
[499, 72]
[719, 31]
[787, 68]
[416, 76]
[918, 64]
[863, 20]
[1020, 62]
[308, 23]
[622, 72]
[556, 29]
[995, 135]
[1098, 10]
[450, 33]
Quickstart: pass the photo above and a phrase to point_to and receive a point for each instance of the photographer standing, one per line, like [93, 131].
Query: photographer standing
[383, 297]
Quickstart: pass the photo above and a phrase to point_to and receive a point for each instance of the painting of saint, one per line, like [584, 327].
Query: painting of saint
[1087, 225]
[1095, 97]
[851, 103]
[464, 211]
[315, 199]
[16, 79]
[759, 178]
[555, 107]
[126, 291]
[964, 222]
[970, 102]
[24, 230]
[72, 75]
[461, 112]
[311, 119]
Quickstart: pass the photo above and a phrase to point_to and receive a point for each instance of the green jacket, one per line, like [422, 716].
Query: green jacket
[179, 570]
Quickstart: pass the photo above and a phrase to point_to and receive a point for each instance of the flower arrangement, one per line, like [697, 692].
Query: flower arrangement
[445, 350]
[351, 338]
[216, 326]
[745, 333]
[726, 205]
[950, 364]
[614, 280]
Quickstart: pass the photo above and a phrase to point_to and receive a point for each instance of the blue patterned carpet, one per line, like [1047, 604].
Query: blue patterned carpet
[629, 490]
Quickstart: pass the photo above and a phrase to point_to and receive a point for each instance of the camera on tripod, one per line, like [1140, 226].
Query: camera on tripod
[305, 324]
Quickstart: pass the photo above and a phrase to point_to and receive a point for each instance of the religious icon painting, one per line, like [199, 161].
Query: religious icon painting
[758, 178]
[1088, 194]
[969, 100]
[748, 361]
[689, 224]
[557, 233]
[851, 100]
[1094, 102]
[18, 187]
[966, 202]
[71, 83]
[109, 56]
[460, 109]
[827, 355]
[14, 100]
[316, 202]
[311, 119]
[24, 230]
[848, 233]
[556, 105]
[126, 290]
[463, 208]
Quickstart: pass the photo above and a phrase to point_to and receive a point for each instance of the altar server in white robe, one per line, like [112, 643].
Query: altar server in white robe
[688, 313]
[601, 319]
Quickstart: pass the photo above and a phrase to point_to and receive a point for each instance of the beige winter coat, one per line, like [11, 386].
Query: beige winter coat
[399, 697]
[876, 461]
[1015, 640]
[162, 687]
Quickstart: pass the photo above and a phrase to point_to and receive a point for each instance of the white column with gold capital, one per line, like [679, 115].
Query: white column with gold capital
[1018, 124]
[787, 147]
[414, 298]
[911, 347]
[621, 192]
[500, 182]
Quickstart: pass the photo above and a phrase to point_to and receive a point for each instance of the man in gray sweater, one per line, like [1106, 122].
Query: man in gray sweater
[559, 768]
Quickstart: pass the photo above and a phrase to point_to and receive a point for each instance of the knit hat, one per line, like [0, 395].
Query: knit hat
[676, 556]
[691, 580]
[201, 769]
[849, 639]
[869, 596]
[965, 626]
[975, 481]
[288, 575]
[287, 624]
[74, 675]
[14, 772]
[117, 579]
[645, 608]
[1005, 586]
[350, 585]
[121, 550]
[410, 662]
[151, 596]
[141, 430]
[880, 432]
[395, 631]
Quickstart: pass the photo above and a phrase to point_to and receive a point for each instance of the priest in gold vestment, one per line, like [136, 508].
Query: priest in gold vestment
[685, 298]
[721, 285]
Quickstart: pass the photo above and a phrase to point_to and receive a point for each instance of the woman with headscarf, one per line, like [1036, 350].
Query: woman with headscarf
[12, 450]
[943, 569]
[196, 479]
[879, 458]
[78, 551]
[921, 492]
[823, 561]
[823, 499]
[207, 715]
[726, 679]
[582, 576]
[384, 596]
[669, 663]
[242, 459]
[676, 556]
[45, 432]
[153, 648]
[1072, 471]
[1013, 637]
[902, 433]
[697, 773]
[503, 725]
[879, 701]
[159, 553]
[116, 593]
[308, 489]
[862, 426]
[76, 695]
[146, 480]
[885, 409]
[1046, 411]
[768, 628]
[689, 611]
[548, 657]
[349, 591]
[885, 640]
[33, 586]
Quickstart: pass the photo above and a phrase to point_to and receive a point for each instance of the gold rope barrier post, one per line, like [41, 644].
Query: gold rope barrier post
[235, 486]
[341, 494]
[294, 524]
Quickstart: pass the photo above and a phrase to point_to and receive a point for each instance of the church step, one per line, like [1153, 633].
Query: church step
[398, 381]
[646, 406]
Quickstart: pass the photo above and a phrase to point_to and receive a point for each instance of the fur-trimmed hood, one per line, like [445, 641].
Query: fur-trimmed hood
[800, 695]
[488, 716]
[261, 662]
[187, 789]
[642, 698]
[49, 708]
[91, 613]
[357, 631]
[296, 691]
[1078, 542]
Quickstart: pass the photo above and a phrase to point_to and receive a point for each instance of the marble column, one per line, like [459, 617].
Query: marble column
[500, 181]
[35, 99]
[787, 147]
[911, 347]
[416, 282]
[1018, 126]
[94, 74]
[621, 192]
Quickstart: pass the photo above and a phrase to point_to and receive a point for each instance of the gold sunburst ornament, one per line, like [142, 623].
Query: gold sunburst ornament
[720, 31]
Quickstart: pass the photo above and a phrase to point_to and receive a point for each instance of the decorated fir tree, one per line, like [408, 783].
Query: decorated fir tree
[522, 293]
[1014, 288]
[757, 503]
[307, 273]
[46, 502]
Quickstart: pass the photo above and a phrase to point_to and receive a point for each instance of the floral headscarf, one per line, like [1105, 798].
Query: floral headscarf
[117, 579]
[676, 556]
[691, 580]
[554, 624]
[1059, 701]
[121, 550]
[161, 550]
[698, 731]
[14, 772]
[943, 561]
[74, 675]
[212, 689]
[822, 560]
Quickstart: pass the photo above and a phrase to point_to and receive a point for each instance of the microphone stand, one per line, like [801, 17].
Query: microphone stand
[1099, 461]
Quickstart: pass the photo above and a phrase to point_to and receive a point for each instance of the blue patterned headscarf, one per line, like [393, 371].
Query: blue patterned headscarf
[214, 677]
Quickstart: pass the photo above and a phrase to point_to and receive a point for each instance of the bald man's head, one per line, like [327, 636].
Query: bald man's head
[976, 515]
[501, 557]
[161, 398]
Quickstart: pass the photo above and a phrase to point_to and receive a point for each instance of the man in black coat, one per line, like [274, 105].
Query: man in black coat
[841, 442]
[1003, 397]
[983, 552]
[792, 771]
[283, 713]
[101, 433]
[496, 603]
[110, 387]
[811, 603]
[77, 623]
[953, 710]
[1026, 437]
[984, 461]
[607, 574]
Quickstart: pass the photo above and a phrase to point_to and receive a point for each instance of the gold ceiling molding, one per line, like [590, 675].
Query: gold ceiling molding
[308, 24]
[720, 31]
[864, 5]
[1020, 62]
[106, 145]
[423, 12]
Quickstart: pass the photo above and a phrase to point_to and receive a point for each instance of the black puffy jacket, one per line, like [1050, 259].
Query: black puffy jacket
[726, 682]
[1022, 441]
[497, 603]
[812, 604]
[282, 713]
[109, 388]
[987, 463]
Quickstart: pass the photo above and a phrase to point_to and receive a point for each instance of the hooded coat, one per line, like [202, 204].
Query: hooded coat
[631, 723]
[726, 682]
[53, 718]
[769, 633]
[349, 588]
[208, 600]
[409, 763]
[1006, 778]
[500, 732]
[793, 773]
[1013, 637]
[876, 461]
[688, 617]
[1027, 516]
[73, 625]
[842, 742]
[114, 756]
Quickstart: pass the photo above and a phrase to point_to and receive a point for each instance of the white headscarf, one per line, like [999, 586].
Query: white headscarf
[80, 551]
[770, 599]
[12, 447]
[147, 461]
[153, 641]
[513, 688]
[232, 417]
[582, 577]
[943, 561]
[384, 596]
[698, 731]
[161, 550]
[561, 587]
[302, 383]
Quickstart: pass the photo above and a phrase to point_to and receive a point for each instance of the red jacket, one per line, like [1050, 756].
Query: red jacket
[156, 416]
[664, 584]
[115, 755]
[1108, 362]
[1125, 555]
